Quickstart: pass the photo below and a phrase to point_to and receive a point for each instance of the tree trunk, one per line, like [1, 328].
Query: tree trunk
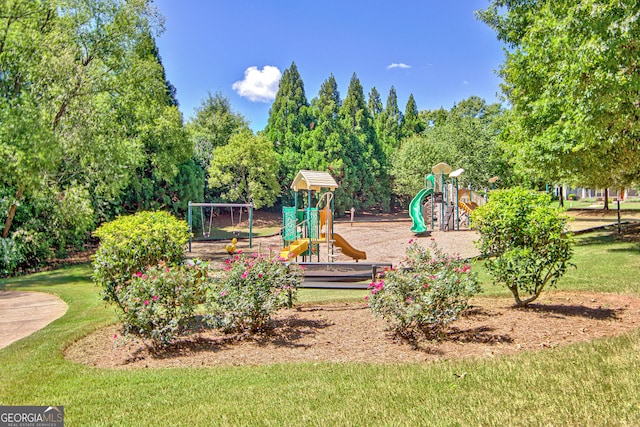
[520, 302]
[606, 199]
[561, 195]
[12, 212]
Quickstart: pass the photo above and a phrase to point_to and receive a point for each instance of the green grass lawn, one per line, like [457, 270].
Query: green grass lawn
[593, 383]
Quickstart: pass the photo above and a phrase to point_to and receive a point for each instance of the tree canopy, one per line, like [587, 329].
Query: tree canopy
[571, 76]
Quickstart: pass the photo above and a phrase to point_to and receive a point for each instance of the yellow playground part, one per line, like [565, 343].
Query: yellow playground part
[468, 207]
[305, 230]
[295, 249]
[347, 249]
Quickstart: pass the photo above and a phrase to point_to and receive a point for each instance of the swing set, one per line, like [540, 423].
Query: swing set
[207, 221]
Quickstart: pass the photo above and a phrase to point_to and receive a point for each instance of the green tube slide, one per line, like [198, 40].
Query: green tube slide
[415, 211]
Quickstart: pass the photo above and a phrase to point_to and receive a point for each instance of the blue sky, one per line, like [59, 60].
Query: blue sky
[436, 50]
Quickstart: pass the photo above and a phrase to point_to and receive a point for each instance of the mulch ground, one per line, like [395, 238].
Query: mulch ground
[348, 332]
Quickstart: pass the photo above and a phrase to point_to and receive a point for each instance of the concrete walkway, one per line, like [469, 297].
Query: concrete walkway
[23, 313]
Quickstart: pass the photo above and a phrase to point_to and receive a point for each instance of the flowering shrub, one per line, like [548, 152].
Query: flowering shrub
[248, 290]
[158, 303]
[427, 292]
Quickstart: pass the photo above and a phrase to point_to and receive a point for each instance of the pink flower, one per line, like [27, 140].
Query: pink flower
[281, 259]
[143, 277]
[410, 241]
[224, 293]
[239, 251]
[155, 298]
[259, 275]
[245, 274]
[426, 285]
[409, 299]
[466, 268]
[366, 297]
[115, 336]
[138, 274]
[146, 302]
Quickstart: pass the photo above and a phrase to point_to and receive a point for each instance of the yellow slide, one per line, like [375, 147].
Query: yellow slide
[467, 207]
[347, 249]
[295, 249]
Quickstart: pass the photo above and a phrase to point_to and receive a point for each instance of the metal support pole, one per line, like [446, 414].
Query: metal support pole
[189, 220]
[251, 224]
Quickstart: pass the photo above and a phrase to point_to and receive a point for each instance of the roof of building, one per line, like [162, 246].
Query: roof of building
[313, 180]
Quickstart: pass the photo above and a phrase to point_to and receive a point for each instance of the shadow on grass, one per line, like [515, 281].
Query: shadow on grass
[630, 237]
[71, 275]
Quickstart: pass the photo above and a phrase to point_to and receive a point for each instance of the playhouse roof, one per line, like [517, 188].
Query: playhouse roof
[313, 180]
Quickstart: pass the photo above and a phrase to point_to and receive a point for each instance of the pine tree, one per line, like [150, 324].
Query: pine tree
[289, 114]
[375, 103]
[367, 180]
[411, 122]
[289, 119]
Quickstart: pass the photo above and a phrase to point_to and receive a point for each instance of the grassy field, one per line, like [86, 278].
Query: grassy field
[593, 383]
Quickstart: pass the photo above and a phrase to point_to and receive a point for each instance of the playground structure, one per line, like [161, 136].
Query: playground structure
[206, 221]
[308, 228]
[441, 199]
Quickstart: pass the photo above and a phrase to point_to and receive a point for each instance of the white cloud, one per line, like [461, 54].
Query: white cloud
[400, 65]
[465, 82]
[259, 85]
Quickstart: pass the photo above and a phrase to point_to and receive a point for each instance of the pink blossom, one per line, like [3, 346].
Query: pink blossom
[259, 275]
[411, 241]
[426, 285]
[245, 274]
[227, 261]
[255, 255]
[146, 302]
[281, 259]
[409, 299]
[466, 268]
[224, 293]
[155, 298]
[143, 277]
[115, 336]
[239, 251]
[138, 274]
[366, 297]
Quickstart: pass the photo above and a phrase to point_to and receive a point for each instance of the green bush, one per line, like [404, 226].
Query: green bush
[131, 243]
[525, 240]
[34, 247]
[427, 292]
[248, 290]
[159, 303]
[10, 257]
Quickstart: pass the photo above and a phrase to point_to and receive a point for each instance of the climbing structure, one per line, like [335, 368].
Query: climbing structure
[306, 228]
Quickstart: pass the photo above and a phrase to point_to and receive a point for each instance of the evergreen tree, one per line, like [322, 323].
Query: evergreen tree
[289, 114]
[289, 119]
[375, 103]
[367, 182]
[324, 146]
[411, 122]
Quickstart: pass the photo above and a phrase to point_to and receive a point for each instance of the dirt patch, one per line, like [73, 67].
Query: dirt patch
[348, 332]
